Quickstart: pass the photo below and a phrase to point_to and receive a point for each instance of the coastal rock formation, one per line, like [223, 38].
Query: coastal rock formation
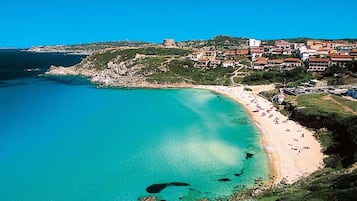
[60, 70]
[110, 68]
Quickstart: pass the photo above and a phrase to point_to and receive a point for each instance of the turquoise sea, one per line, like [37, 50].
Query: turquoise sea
[63, 139]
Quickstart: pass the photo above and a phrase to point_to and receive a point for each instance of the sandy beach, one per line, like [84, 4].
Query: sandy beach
[292, 150]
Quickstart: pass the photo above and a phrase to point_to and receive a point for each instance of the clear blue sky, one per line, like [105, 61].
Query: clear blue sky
[39, 22]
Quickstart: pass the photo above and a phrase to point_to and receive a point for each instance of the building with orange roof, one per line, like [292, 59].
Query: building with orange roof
[353, 53]
[318, 64]
[201, 63]
[275, 63]
[260, 63]
[341, 61]
[243, 52]
[291, 63]
[228, 63]
[196, 56]
[230, 55]
[256, 52]
[209, 54]
[282, 44]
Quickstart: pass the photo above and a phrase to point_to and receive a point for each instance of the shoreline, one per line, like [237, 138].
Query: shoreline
[292, 150]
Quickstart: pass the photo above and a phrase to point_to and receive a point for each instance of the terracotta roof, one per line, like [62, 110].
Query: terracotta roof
[203, 59]
[276, 61]
[340, 56]
[292, 60]
[242, 52]
[256, 51]
[319, 60]
[231, 52]
[261, 62]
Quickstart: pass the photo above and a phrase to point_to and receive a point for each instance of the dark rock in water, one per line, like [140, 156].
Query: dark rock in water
[178, 184]
[157, 188]
[224, 179]
[238, 174]
[249, 155]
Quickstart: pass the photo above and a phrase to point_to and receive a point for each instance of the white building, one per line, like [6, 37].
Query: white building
[306, 53]
[227, 64]
[254, 43]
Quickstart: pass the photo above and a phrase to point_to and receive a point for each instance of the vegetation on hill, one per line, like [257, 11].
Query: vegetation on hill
[221, 41]
[158, 65]
[290, 78]
[102, 58]
[183, 71]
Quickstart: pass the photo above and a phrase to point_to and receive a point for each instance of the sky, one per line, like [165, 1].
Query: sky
[39, 22]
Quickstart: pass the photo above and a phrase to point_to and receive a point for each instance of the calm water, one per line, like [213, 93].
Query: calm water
[64, 139]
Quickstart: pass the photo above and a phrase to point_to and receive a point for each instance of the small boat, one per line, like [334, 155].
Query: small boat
[256, 110]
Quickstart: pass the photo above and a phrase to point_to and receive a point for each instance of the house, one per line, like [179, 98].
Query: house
[255, 43]
[282, 44]
[275, 63]
[341, 61]
[305, 53]
[230, 55]
[260, 63]
[291, 63]
[228, 64]
[256, 52]
[242, 52]
[287, 51]
[209, 54]
[318, 64]
[214, 63]
[342, 45]
[353, 53]
[201, 63]
[276, 51]
[323, 52]
[196, 56]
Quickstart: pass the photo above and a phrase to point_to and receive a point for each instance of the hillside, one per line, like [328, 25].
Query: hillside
[132, 67]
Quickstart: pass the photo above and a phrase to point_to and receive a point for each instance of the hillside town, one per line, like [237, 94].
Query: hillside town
[315, 55]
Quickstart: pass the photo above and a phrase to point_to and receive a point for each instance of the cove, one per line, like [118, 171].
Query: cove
[77, 142]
